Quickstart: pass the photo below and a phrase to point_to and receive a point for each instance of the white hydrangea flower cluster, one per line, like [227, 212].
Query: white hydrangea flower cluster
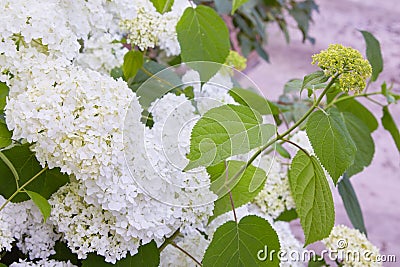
[352, 247]
[212, 94]
[42, 263]
[88, 228]
[23, 222]
[276, 196]
[148, 28]
[101, 53]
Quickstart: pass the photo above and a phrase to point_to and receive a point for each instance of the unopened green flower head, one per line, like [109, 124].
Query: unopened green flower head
[348, 63]
[235, 60]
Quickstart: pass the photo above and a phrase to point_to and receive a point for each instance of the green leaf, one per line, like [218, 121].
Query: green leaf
[288, 216]
[41, 203]
[351, 204]
[317, 261]
[356, 108]
[239, 244]
[254, 101]
[5, 136]
[3, 95]
[64, 253]
[133, 61]
[223, 179]
[27, 166]
[236, 4]
[374, 54]
[293, 85]
[162, 6]
[226, 131]
[2, 265]
[282, 151]
[148, 255]
[389, 124]
[203, 36]
[361, 136]
[331, 141]
[313, 79]
[313, 198]
[153, 81]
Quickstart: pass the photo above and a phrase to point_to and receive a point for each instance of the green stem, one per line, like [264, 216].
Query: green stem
[296, 145]
[169, 240]
[23, 186]
[351, 96]
[11, 167]
[288, 131]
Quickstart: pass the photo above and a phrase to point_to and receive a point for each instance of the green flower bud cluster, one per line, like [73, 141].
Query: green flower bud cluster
[348, 63]
[235, 60]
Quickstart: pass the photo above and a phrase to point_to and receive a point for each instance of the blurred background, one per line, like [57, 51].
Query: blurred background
[378, 187]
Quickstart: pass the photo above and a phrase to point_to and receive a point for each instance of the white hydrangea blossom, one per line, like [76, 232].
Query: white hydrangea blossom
[149, 28]
[352, 247]
[42, 263]
[87, 228]
[6, 222]
[276, 196]
[23, 222]
[214, 93]
[101, 54]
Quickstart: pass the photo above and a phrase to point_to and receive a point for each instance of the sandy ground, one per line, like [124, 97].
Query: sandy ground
[378, 187]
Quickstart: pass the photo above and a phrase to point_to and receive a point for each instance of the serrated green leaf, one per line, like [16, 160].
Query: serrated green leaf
[148, 255]
[351, 204]
[222, 180]
[27, 166]
[41, 203]
[3, 95]
[203, 36]
[236, 4]
[313, 79]
[331, 141]
[360, 111]
[254, 101]
[162, 6]
[374, 54]
[361, 136]
[5, 136]
[240, 244]
[133, 61]
[389, 124]
[226, 131]
[313, 197]
[287, 216]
